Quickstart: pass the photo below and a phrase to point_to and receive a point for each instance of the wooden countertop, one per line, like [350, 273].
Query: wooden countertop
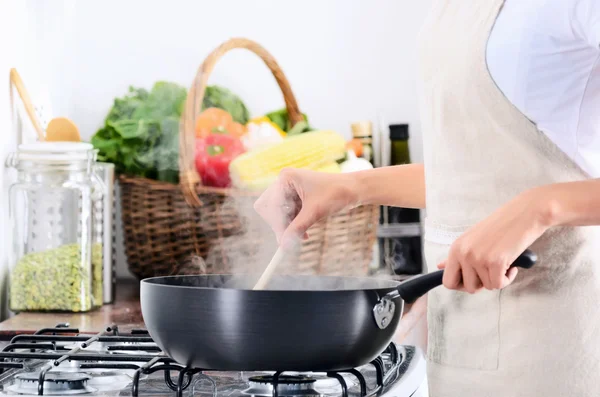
[126, 313]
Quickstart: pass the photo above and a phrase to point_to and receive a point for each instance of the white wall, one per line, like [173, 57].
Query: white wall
[18, 49]
[347, 60]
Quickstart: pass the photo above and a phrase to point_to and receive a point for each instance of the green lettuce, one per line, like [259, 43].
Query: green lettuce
[222, 98]
[282, 120]
[140, 134]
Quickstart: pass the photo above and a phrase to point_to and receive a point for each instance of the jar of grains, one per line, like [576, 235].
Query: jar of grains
[56, 254]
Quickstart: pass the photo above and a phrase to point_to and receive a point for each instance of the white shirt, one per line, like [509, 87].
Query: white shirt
[544, 55]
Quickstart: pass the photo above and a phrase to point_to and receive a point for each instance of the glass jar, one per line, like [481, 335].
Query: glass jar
[363, 131]
[56, 254]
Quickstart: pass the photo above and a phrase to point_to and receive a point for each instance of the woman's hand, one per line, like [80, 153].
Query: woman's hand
[300, 198]
[482, 256]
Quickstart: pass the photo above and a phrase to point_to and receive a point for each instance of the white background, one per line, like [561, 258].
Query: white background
[347, 60]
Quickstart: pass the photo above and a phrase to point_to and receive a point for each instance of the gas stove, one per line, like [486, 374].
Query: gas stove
[61, 361]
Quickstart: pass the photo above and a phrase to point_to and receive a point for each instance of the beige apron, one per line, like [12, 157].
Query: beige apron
[541, 335]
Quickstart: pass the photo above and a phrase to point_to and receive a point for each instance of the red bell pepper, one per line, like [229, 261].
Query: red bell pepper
[213, 155]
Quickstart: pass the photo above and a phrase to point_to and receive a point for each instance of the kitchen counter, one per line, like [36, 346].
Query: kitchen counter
[126, 313]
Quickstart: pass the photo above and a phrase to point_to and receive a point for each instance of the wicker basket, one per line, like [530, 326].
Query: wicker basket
[192, 229]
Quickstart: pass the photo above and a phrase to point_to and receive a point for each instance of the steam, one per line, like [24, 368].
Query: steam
[252, 245]
[246, 246]
[288, 282]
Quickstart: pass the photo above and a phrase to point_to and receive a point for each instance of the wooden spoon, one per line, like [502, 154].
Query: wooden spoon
[16, 80]
[62, 129]
[58, 129]
[268, 273]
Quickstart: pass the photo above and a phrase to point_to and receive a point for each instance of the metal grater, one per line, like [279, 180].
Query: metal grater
[104, 222]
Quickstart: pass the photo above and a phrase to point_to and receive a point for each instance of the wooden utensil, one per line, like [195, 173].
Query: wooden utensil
[62, 129]
[58, 129]
[16, 80]
[268, 273]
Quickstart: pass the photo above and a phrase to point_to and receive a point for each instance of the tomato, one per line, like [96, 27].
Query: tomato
[213, 155]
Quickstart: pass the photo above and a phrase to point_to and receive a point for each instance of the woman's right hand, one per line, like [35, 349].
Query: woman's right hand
[300, 198]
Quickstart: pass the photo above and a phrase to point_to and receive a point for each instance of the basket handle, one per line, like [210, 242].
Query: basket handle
[188, 176]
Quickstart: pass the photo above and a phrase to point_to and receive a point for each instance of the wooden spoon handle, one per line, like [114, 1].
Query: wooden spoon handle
[15, 78]
[268, 273]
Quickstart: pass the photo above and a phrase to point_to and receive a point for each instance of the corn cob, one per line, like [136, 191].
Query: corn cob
[311, 150]
[265, 182]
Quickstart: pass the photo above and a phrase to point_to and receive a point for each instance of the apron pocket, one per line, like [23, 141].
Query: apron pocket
[463, 329]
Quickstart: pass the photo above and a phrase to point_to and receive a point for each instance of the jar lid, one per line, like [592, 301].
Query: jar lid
[55, 151]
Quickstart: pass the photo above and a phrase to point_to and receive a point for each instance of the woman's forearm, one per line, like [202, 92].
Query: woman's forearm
[486, 250]
[561, 204]
[397, 186]
[570, 203]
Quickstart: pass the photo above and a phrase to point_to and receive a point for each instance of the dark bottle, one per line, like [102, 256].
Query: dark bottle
[400, 249]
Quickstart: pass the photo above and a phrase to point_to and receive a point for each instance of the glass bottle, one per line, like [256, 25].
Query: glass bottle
[55, 257]
[401, 249]
[363, 131]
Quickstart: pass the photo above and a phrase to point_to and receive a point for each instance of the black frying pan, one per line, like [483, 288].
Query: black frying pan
[301, 323]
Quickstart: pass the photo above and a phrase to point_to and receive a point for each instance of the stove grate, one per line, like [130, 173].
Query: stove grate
[45, 345]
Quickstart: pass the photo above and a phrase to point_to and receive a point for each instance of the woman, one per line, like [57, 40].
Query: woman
[510, 112]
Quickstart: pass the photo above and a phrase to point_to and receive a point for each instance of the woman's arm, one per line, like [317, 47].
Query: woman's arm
[300, 198]
[481, 257]
[571, 203]
[396, 186]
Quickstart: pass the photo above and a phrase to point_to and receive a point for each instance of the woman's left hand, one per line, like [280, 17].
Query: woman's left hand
[482, 256]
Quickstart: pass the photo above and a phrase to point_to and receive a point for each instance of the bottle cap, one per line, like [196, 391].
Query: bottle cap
[362, 129]
[399, 132]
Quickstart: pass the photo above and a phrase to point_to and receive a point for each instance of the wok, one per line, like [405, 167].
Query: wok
[301, 323]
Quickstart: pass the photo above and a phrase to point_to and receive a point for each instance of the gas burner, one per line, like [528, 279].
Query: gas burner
[287, 386]
[130, 364]
[109, 348]
[110, 380]
[56, 383]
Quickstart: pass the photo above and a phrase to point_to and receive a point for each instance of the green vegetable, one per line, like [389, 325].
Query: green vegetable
[220, 97]
[141, 132]
[298, 128]
[281, 118]
[56, 280]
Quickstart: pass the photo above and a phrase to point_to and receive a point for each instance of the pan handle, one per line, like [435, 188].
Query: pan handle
[412, 289]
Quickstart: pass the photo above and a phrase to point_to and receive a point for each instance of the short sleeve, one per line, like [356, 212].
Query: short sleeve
[585, 20]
